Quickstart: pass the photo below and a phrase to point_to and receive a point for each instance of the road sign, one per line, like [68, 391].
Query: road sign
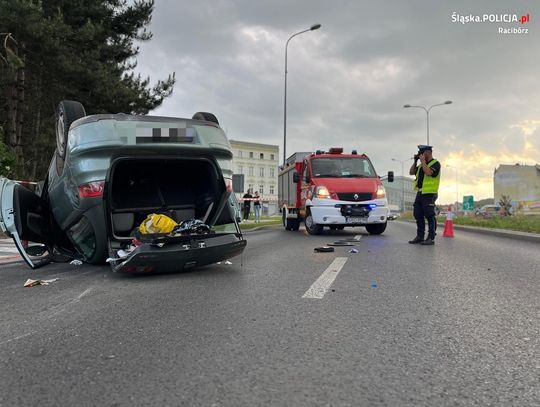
[468, 203]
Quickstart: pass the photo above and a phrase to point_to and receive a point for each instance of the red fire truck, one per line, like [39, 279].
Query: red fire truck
[332, 189]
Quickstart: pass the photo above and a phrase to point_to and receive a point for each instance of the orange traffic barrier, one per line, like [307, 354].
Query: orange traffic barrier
[449, 224]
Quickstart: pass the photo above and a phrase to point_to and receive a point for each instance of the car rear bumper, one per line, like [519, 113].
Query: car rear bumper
[180, 256]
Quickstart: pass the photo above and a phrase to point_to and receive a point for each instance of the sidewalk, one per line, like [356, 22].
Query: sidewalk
[8, 252]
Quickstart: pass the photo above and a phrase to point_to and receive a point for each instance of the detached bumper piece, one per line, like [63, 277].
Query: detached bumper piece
[168, 254]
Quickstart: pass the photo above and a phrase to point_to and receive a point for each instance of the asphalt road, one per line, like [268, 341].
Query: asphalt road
[394, 324]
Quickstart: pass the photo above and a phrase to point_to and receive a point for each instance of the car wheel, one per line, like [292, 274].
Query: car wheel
[376, 229]
[311, 227]
[205, 116]
[68, 112]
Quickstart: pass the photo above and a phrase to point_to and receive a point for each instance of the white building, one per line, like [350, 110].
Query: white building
[259, 165]
[400, 191]
[520, 183]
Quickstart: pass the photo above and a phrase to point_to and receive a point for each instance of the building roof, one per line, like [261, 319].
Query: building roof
[249, 143]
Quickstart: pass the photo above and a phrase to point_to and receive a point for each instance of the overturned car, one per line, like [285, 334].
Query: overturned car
[110, 173]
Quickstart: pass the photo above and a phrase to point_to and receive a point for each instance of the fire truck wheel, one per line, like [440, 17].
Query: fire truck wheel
[285, 221]
[311, 227]
[376, 229]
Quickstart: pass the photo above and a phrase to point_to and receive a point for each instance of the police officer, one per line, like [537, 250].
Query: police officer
[426, 183]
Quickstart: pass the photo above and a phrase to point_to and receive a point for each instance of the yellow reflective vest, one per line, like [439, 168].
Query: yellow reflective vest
[430, 185]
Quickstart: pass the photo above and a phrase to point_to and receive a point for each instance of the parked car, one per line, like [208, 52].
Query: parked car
[109, 172]
[393, 212]
[489, 211]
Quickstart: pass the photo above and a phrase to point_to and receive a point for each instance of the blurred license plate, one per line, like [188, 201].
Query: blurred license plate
[355, 219]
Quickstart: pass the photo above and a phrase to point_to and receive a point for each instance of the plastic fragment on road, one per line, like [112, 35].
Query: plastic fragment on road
[341, 243]
[353, 250]
[323, 249]
[32, 283]
[373, 284]
[227, 262]
[75, 262]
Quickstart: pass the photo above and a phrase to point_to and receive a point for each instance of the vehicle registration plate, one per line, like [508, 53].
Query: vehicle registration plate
[355, 219]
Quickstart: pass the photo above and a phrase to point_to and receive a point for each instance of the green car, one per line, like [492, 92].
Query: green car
[110, 173]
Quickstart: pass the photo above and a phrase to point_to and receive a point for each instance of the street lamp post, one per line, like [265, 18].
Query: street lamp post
[427, 113]
[313, 27]
[402, 184]
[457, 194]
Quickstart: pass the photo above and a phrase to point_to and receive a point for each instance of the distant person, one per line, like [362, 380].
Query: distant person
[426, 183]
[247, 204]
[257, 207]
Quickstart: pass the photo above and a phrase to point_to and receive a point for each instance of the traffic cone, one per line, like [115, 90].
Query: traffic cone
[449, 224]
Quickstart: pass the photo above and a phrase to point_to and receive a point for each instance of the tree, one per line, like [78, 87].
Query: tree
[506, 205]
[69, 49]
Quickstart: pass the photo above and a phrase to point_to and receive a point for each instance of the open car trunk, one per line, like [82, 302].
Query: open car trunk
[184, 189]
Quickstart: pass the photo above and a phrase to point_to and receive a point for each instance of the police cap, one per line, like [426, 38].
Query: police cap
[423, 147]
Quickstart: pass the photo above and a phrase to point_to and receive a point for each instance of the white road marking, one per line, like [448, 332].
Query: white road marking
[358, 237]
[323, 283]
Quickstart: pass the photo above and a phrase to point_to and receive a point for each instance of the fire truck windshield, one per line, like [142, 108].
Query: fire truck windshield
[342, 167]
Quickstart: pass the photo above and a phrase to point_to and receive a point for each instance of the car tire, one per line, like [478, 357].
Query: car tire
[68, 111]
[205, 116]
[311, 227]
[376, 229]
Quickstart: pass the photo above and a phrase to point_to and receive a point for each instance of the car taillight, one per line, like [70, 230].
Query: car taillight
[228, 184]
[91, 189]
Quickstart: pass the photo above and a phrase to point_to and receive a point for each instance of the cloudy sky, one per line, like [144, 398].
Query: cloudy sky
[348, 81]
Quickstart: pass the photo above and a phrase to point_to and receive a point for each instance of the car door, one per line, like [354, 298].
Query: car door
[24, 216]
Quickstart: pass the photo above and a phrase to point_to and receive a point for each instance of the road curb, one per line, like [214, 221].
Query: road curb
[512, 234]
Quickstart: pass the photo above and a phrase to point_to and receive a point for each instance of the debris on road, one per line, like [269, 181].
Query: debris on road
[324, 249]
[341, 243]
[227, 262]
[31, 283]
[353, 250]
[373, 284]
[76, 262]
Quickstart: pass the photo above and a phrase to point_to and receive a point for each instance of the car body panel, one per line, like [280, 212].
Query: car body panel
[94, 144]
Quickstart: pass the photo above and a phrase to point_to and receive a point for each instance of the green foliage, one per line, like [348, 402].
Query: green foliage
[79, 50]
[7, 159]
[519, 222]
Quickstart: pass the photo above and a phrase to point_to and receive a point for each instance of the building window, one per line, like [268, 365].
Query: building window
[240, 153]
[261, 156]
[261, 172]
[251, 171]
[251, 154]
[272, 172]
[261, 189]
[240, 169]
[271, 190]
[272, 157]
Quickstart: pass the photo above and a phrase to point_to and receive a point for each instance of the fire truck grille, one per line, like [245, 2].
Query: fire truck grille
[354, 196]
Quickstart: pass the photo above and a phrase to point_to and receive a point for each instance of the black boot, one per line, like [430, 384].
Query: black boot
[427, 242]
[416, 240]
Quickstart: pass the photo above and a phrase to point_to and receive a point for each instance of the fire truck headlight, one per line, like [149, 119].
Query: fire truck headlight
[322, 192]
[381, 193]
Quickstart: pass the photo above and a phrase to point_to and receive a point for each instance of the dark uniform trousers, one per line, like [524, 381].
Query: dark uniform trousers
[424, 208]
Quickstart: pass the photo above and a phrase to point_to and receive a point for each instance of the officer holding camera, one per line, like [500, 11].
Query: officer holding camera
[426, 183]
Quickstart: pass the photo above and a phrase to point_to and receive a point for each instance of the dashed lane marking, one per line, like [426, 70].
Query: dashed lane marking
[319, 288]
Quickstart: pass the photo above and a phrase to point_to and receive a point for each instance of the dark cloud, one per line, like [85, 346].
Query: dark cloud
[349, 80]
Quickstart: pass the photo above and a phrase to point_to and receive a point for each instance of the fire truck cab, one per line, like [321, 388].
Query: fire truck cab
[332, 189]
